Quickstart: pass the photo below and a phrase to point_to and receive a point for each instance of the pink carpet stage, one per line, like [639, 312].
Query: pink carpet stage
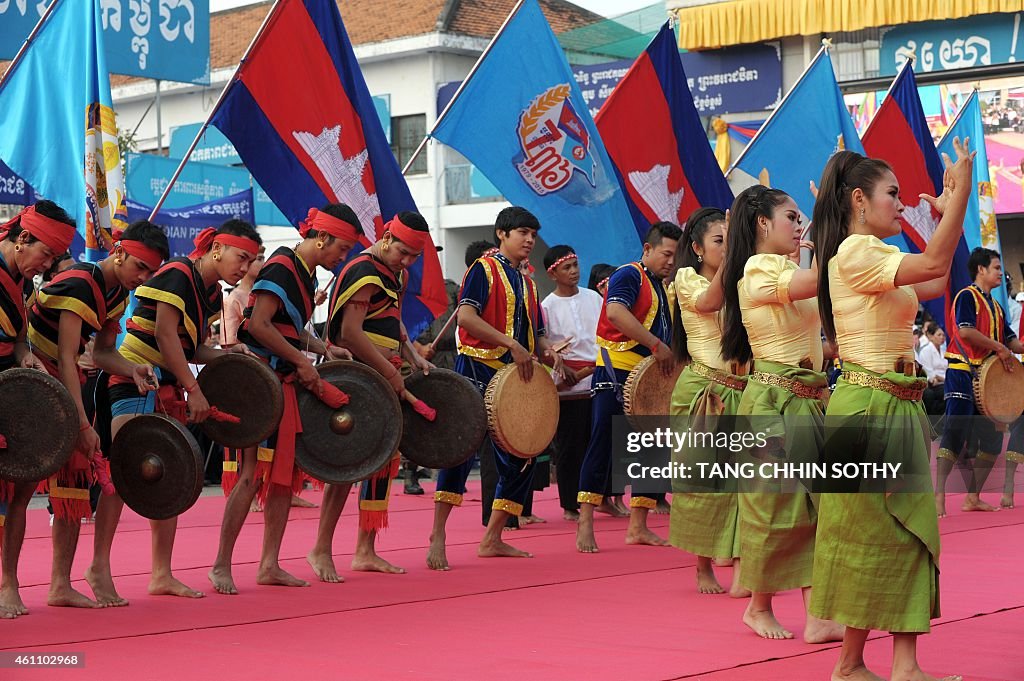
[627, 613]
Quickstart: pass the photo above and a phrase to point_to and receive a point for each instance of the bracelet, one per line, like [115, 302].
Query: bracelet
[84, 427]
[192, 388]
[654, 348]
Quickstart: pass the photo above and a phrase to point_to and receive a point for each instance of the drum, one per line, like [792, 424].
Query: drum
[156, 466]
[39, 425]
[352, 443]
[522, 416]
[245, 387]
[648, 391]
[459, 429]
[998, 394]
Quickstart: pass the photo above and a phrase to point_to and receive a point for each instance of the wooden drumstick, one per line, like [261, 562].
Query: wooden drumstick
[444, 329]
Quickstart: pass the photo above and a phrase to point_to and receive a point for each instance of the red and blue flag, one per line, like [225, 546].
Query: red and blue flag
[899, 135]
[300, 116]
[653, 134]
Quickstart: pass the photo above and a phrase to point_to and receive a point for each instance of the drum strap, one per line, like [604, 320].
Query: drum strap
[611, 372]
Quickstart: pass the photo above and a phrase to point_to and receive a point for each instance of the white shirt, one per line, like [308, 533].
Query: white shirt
[576, 317]
[933, 363]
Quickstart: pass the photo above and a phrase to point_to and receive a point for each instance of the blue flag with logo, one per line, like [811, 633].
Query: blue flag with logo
[57, 128]
[522, 120]
[980, 219]
[793, 145]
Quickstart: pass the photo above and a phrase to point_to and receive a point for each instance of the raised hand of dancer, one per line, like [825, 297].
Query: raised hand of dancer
[957, 176]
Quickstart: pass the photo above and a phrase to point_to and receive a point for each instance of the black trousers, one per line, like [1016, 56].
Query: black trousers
[569, 447]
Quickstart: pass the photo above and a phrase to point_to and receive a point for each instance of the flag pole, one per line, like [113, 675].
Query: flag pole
[825, 44]
[462, 85]
[220, 100]
[956, 119]
[28, 41]
[909, 63]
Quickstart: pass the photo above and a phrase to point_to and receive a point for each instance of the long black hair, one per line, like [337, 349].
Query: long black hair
[751, 204]
[833, 211]
[694, 231]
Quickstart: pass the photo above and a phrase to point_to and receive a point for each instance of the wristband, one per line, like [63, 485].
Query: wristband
[84, 427]
[654, 348]
[192, 388]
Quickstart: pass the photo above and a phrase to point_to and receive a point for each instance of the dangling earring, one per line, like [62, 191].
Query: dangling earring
[700, 258]
[118, 261]
[385, 245]
[860, 219]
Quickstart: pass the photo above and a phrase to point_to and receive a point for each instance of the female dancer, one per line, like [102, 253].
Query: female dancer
[704, 519]
[876, 563]
[772, 319]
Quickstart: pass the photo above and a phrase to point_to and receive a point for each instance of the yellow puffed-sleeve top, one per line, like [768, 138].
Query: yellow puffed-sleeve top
[874, 318]
[703, 331]
[780, 329]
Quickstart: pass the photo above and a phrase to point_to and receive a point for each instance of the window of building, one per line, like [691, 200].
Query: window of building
[406, 134]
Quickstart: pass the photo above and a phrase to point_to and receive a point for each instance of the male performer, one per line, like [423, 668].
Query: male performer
[167, 331]
[365, 318]
[88, 300]
[571, 314]
[636, 322]
[500, 322]
[274, 330]
[981, 330]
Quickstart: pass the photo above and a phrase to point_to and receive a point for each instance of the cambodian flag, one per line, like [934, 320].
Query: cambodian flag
[300, 116]
[653, 134]
[899, 135]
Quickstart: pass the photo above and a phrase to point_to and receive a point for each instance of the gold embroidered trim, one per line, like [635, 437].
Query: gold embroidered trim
[264, 454]
[789, 385]
[1014, 457]
[985, 456]
[69, 493]
[718, 376]
[642, 502]
[946, 454]
[909, 393]
[230, 466]
[450, 498]
[507, 506]
[648, 321]
[589, 498]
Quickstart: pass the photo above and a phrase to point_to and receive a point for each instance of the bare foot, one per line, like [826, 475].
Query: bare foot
[737, 591]
[499, 549]
[585, 540]
[277, 577]
[374, 563]
[645, 537]
[707, 583]
[299, 502]
[818, 630]
[323, 567]
[571, 516]
[255, 507]
[764, 624]
[222, 581]
[858, 673]
[10, 602]
[723, 562]
[1006, 501]
[6, 614]
[170, 586]
[919, 675]
[608, 508]
[940, 504]
[530, 520]
[102, 586]
[66, 597]
[977, 505]
[620, 508]
[662, 508]
[437, 559]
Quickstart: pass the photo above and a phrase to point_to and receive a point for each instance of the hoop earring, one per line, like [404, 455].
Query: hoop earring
[700, 258]
[216, 256]
[860, 218]
[17, 247]
[118, 261]
[319, 244]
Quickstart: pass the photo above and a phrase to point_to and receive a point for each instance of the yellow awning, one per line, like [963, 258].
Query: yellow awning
[753, 21]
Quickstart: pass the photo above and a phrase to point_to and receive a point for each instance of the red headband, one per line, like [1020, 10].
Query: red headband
[54, 233]
[205, 239]
[324, 222]
[412, 238]
[150, 257]
[565, 258]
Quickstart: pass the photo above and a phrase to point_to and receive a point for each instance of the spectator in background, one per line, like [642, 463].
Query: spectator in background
[934, 365]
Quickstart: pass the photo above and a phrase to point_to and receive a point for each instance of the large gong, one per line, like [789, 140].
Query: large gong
[459, 429]
[38, 421]
[354, 442]
[245, 387]
[156, 466]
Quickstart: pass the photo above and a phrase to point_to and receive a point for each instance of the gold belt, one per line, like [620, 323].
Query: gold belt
[718, 376]
[790, 385]
[910, 393]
